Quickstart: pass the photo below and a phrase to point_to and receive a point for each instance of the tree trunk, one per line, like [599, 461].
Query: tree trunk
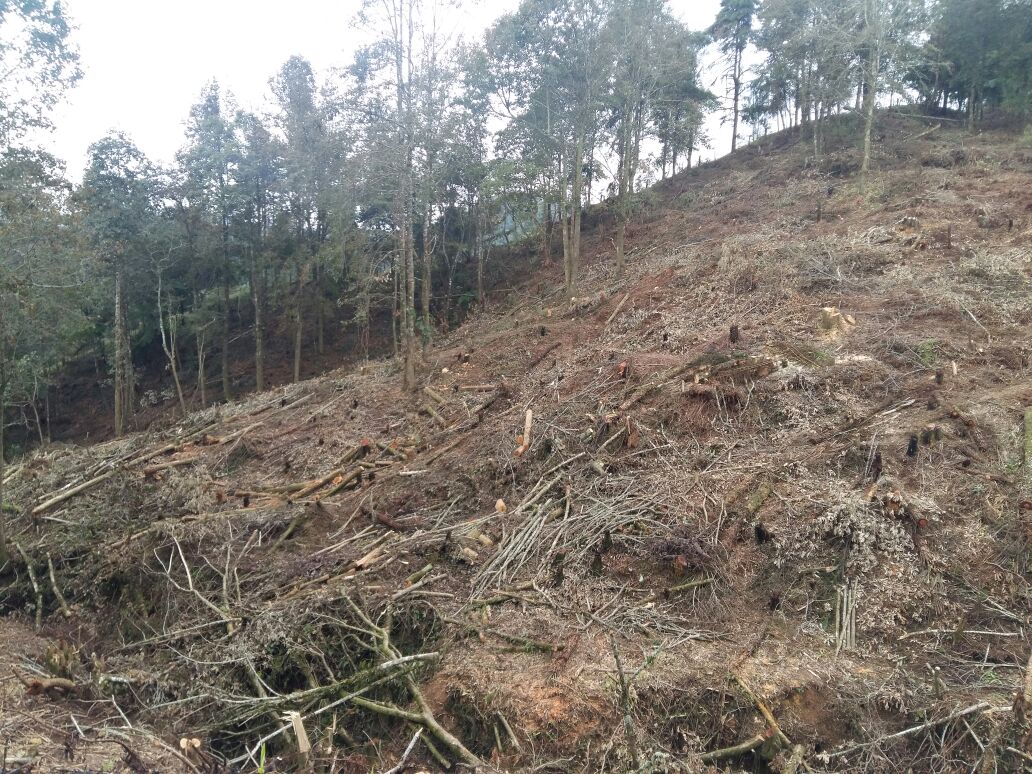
[320, 312]
[736, 80]
[427, 281]
[168, 344]
[971, 108]
[226, 393]
[575, 214]
[3, 471]
[623, 192]
[481, 250]
[298, 322]
[396, 309]
[404, 204]
[121, 378]
[259, 337]
[871, 89]
[201, 376]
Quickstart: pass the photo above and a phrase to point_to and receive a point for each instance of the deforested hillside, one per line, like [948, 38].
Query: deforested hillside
[761, 504]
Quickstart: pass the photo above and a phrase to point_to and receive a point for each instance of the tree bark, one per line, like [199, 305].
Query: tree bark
[578, 192]
[226, 393]
[121, 378]
[736, 80]
[320, 313]
[404, 204]
[259, 337]
[168, 344]
[427, 280]
[3, 471]
[298, 322]
[871, 88]
[481, 250]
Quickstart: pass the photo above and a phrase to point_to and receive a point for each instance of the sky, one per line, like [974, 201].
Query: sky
[145, 61]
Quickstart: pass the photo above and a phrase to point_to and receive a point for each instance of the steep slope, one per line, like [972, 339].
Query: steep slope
[772, 510]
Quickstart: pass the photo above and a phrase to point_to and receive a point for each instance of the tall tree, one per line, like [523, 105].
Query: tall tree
[38, 63]
[258, 174]
[116, 196]
[732, 31]
[210, 159]
[302, 122]
[654, 77]
[551, 69]
[42, 271]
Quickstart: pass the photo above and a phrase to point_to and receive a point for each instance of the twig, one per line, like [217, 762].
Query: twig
[772, 723]
[57, 592]
[979, 707]
[35, 585]
[404, 756]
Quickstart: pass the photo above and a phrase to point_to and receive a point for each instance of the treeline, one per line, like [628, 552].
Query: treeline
[373, 195]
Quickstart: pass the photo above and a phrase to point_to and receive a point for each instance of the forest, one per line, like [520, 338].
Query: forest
[370, 202]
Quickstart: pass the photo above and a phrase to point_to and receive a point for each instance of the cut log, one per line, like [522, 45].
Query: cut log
[733, 752]
[617, 310]
[1028, 439]
[440, 399]
[772, 723]
[45, 506]
[534, 361]
[528, 424]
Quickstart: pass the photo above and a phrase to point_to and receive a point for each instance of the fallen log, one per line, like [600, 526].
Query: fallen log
[46, 505]
[772, 723]
[150, 470]
[534, 361]
[981, 706]
[1028, 438]
[51, 687]
[61, 601]
[669, 592]
[617, 310]
[35, 585]
[435, 415]
[441, 400]
[735, 751]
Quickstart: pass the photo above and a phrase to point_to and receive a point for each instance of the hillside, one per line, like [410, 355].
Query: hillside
[771, 515]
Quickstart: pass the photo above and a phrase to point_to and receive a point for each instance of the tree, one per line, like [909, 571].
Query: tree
[116, 198]
[41, 274]
[258, 174]
[302, 122]
[38, 64]
[209, 162]
[890, 32]
[732, 31]
[654, 77]
[550, 68]
[976, 55]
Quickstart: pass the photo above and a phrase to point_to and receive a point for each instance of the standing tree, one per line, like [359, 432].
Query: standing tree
[654, 77]
[732, 31]
[38, 63]
[209, 161]
[258, 174]
[116, 197]
[41, 276]
[302, 122]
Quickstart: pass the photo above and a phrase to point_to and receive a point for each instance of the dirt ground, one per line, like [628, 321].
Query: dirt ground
[772, 513]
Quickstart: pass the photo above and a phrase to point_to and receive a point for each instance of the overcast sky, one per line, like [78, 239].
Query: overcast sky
[146, 61]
